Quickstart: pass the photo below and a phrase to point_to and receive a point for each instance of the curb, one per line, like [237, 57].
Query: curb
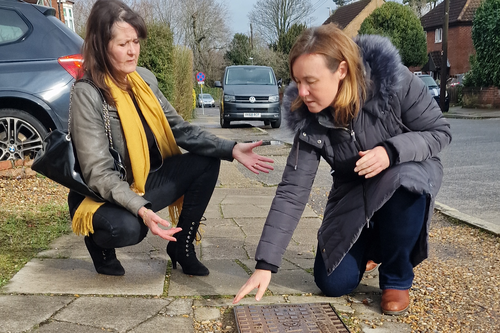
[470, 220]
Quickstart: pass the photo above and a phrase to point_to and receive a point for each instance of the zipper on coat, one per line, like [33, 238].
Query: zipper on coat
[358, 147]
[297, 156]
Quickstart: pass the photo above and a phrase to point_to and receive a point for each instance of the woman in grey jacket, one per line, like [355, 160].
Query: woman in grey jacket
[380, 130]
[147, 132]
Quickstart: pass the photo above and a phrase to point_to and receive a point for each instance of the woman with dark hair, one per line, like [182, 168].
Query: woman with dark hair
[357, 106]
[147, 132]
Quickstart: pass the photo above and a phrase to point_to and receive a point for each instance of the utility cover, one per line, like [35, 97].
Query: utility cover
[289, 318]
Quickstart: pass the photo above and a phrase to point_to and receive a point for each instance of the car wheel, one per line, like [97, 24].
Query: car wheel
[223, 123]
[276, 124]
[21, 135]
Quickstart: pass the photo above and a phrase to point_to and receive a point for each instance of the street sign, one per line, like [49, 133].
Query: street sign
[200, 77]
[201, 82]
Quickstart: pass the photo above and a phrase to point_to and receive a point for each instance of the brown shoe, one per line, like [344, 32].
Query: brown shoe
[395, 302]
[370, 266]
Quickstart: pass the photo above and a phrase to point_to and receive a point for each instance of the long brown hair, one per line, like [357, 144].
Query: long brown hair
[329, 41]
[96, 62]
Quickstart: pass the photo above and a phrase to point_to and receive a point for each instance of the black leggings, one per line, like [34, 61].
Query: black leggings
[191, 175]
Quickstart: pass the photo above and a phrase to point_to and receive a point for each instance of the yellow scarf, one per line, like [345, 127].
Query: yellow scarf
[137, 144]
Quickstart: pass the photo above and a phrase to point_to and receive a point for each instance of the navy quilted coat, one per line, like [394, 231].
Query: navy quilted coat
[398, 111]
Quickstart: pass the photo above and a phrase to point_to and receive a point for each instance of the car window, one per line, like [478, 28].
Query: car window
[12, 26]
[429, 81]
[250, 76]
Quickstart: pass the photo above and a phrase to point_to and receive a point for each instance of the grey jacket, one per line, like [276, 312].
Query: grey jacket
[91, 143]
[399, 114]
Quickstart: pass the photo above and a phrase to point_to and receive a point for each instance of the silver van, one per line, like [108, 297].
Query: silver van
[249, 93]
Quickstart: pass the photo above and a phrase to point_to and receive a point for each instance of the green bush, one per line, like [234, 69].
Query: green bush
[157, 56]
[183, 81]
[404, 29]
[485, 64]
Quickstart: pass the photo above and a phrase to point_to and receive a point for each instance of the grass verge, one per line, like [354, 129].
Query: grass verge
[24, 234]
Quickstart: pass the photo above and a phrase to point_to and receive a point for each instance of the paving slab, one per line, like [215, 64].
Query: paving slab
[206, 313]
[19, 313]
[78, 276]
[223, 248]
[63, 327]
[118, 313]
[163, 324]
[179, 307]
[226, 278]
[288, 282]
[251, 226]
[245, 210]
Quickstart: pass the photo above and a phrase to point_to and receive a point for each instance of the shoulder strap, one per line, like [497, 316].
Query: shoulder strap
[105, 109]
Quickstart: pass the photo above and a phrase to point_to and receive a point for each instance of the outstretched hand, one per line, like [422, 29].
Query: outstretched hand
[243, 153]
[259, 279]
[152, 221]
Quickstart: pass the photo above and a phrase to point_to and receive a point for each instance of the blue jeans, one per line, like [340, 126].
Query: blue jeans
[191, 175]
[393, 233]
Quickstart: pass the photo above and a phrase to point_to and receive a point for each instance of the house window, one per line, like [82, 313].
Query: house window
[68, 17]
[438, 36]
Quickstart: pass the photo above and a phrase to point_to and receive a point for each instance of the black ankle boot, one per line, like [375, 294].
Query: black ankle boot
[105, 261]
[182, 251]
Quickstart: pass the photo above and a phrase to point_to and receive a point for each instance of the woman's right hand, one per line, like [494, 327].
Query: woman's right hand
[259, 279]
[151, 220]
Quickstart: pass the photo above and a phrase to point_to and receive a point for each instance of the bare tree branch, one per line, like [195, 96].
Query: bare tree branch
[273, 18]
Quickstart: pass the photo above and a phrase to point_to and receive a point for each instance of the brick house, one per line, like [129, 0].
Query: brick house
[460, 46]
[349, 17]
[64, 10]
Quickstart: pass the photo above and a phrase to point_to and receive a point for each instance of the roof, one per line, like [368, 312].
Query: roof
[461, 11]
[345, 14]
[434, 62]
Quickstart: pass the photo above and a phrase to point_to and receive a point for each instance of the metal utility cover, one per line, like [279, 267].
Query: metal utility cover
[296, 318]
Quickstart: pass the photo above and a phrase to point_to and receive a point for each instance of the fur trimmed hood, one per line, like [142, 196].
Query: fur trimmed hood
[382, 72]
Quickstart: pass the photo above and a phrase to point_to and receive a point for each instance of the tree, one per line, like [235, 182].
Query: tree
[203, 28]
[81, 12]
[273, 18]
[157, 55]
[419, 7]
[403, 27]
[341, 3]
[286, 41]
[239, 50]
[485, 65]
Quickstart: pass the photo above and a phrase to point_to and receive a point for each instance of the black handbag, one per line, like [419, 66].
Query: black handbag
[57, 158]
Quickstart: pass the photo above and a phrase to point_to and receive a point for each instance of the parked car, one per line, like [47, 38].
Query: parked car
[249, 93]
[206, 100]
[458, 80]
[39, 60]
[435, 91]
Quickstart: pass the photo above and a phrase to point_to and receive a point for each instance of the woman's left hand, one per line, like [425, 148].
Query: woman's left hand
[372, 162]
[243, 153]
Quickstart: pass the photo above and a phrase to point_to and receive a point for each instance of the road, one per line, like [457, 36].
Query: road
[471, 183]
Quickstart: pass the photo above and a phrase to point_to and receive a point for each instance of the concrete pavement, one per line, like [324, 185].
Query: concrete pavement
[59, 290]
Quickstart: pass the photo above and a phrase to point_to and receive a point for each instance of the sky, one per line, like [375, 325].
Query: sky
[238, 12]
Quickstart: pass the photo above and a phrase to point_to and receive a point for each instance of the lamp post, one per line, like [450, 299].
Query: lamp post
[251, 59]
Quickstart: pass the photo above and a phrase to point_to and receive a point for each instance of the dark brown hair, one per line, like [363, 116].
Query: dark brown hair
[104, 14]
[335, 46]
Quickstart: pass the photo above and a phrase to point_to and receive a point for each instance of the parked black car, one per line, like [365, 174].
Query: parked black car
[39, 60]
